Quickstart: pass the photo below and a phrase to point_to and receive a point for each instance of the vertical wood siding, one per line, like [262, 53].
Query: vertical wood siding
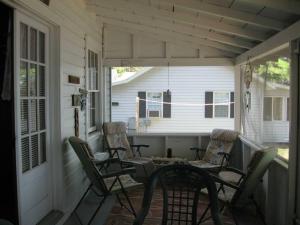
[187, 85]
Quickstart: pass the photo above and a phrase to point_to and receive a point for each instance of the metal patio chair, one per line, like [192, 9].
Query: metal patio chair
[118, 146]
[218, 151]
[103, 184]
[181, 188]
[236, 189]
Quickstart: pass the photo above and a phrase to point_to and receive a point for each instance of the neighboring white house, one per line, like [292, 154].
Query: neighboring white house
[184, 109]
[267, 119]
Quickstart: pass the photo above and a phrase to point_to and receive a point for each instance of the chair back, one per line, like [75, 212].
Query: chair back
[83, 152]
[181, 188]
[257, 167]
[221, 140]
[115, 137]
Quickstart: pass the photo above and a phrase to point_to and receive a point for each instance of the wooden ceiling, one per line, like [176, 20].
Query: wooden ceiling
[230, 26]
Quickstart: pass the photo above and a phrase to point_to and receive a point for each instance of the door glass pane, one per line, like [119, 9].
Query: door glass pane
[33, 115]
[24, 41]
[92, 110]
[23, 79]
[42, 80]
[33, 44]
[33, 80]
[25, 154]
[24, 117]
[35, 150]
[277, 108]
[267, 109]
[43, 147]
[42, 47]
[42, 114]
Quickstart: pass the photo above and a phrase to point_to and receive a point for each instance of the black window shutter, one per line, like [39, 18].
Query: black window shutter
[142, 104]
[166, 106]
[208, 108]
[231, 104]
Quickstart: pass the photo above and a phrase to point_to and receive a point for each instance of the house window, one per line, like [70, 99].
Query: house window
[219, 104]
[154, 104]
[93, 89]
[288, 109]
[273, 109]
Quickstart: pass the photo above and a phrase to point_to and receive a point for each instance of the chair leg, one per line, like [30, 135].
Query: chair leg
[98, 208]
[78, 204]
[128, 200]
[120, 201]
[259, 212]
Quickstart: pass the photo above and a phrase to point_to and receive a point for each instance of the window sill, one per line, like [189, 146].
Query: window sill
[94, 135]
[282, 162]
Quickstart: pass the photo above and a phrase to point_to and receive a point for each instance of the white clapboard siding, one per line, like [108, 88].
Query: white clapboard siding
[188, 85]
[74, 22]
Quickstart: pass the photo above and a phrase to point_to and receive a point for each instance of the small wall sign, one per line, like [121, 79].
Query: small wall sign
[73, 79]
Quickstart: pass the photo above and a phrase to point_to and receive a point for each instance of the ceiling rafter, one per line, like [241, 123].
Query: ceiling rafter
[290, 6]
[109, 13]
[206, 23]
[197, 32]
[228, 13]
[165, 35]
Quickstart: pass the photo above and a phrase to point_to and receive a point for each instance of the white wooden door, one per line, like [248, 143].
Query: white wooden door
[32, 125]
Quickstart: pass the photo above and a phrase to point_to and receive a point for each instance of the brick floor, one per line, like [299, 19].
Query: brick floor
[120, 216]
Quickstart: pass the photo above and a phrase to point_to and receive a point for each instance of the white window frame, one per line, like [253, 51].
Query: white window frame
[283, 107]
[161, 107]
[228, 105]
[92, 129]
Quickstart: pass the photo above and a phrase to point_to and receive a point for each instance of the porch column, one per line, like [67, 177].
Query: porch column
[237, 97]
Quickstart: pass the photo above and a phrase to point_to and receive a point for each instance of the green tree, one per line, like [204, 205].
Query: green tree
[276, 71]
[122, 70]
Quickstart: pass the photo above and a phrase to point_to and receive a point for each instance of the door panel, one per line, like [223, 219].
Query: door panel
[34, 173]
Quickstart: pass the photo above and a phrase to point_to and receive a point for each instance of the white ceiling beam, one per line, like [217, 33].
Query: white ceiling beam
[227, 13]
[275, 43]
[170, 62]
[162, 35]
[165, 27]
[141, 9]
[196, 32]
[290, 6]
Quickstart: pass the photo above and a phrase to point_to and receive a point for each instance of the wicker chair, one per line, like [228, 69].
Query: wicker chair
[217, 153]
[118, 145]
[181, 187]
[103, 185]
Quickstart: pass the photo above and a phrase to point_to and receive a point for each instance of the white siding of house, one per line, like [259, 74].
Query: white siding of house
[188, 85]
[256, 128]
[74, 22]
[277, 131]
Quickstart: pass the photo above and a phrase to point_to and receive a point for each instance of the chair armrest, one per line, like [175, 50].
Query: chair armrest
[231, 169]
[198, 149]
[120, 172]
[118, 149]
[222, 182]
[139, 146]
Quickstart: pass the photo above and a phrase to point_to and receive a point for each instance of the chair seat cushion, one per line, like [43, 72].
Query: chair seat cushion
[127, 182]
[203, 164]
[230, 177]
